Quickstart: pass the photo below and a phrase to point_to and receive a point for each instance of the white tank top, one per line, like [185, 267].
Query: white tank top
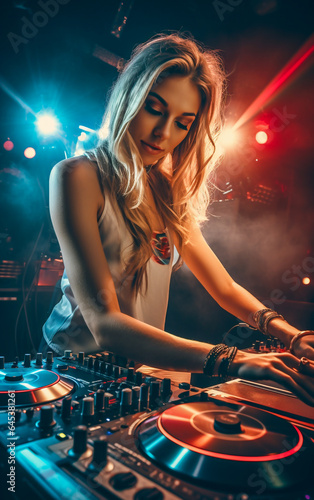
[66, 329]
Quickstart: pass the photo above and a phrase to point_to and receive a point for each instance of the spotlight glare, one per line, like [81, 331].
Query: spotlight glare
[82, 137]
[47, 124]
[79, 151]
[8, 145]
[306, 280]
[229, 137]
[261, 137]
[29, 153]
[103, 132]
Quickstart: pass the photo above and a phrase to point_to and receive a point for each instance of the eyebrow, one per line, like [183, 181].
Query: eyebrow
[164, 103]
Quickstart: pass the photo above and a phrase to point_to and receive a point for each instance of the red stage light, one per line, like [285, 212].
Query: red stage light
[29, 153]
[8, 145]
[261, 137]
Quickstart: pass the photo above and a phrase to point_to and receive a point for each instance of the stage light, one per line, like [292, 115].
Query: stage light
[8, 145]
[228, 138]
[47, 124]
[82, 137]
[79, 151]
[306, 280]
[103, 132]
[29, 153]
[261, 137]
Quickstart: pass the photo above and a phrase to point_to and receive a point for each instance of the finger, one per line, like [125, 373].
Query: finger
[307, 382]
[303, 365]
[306, 367]
[295, 383]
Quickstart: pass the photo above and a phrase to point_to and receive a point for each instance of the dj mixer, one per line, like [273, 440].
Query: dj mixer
[92, 427]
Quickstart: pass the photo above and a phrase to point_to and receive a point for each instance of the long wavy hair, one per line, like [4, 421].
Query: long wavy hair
[179, 181]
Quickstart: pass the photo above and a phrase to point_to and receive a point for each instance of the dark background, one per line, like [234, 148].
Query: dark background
[266, 242]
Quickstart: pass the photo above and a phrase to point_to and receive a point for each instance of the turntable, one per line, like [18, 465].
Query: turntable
[227, 446]
[175, 441]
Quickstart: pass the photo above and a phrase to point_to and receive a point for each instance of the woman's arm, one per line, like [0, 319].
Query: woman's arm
[207, 268]
[76, 200]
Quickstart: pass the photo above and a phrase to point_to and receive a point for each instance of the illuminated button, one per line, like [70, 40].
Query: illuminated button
[61, 436]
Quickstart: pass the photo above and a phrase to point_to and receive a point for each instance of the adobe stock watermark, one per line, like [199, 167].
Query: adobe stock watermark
[11, 441]
[227, 6]
[30, 27]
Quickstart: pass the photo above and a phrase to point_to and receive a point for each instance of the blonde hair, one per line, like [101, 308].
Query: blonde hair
[181, 192]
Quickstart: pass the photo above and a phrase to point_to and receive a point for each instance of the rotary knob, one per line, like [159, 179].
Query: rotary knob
[79, 441]
[136, 398]
[130, 375]
[149, 494]
[90, 364]
[66, 408]
[126, 401]
[100, 455]
[46, 420]
[138, 378]
[154, 392]
[87, 408]
[39, 359]
[81, 356]
[123, 481]
[144, 396]
[100, 400]
[166, 387]
[49, 358]
[27, 360]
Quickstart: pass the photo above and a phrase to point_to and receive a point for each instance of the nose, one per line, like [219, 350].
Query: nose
[162, 129]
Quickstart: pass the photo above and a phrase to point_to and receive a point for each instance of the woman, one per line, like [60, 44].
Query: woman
[119, 210]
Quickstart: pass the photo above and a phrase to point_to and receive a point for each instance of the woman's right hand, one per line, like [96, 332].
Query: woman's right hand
[281, 368]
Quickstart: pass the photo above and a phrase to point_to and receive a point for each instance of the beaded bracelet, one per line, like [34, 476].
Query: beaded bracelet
[297, 337]
[226, 363]
[211, 358]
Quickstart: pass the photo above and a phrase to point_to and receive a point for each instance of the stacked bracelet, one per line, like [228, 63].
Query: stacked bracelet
[226, 363]
[228, 354]
[211, 358]
[263, 317]
[297, 337]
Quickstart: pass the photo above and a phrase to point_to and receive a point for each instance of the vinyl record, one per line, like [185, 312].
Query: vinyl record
[227, 445]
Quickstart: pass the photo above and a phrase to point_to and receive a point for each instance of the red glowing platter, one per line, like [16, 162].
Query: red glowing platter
[228, 446]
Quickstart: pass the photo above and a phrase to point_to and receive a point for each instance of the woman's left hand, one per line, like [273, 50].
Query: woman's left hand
[304, 347]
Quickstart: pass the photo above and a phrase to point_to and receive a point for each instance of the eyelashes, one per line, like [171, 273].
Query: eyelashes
[154, 112]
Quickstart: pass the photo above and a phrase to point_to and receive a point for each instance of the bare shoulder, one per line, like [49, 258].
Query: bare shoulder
[76, 179]
[75, 169]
